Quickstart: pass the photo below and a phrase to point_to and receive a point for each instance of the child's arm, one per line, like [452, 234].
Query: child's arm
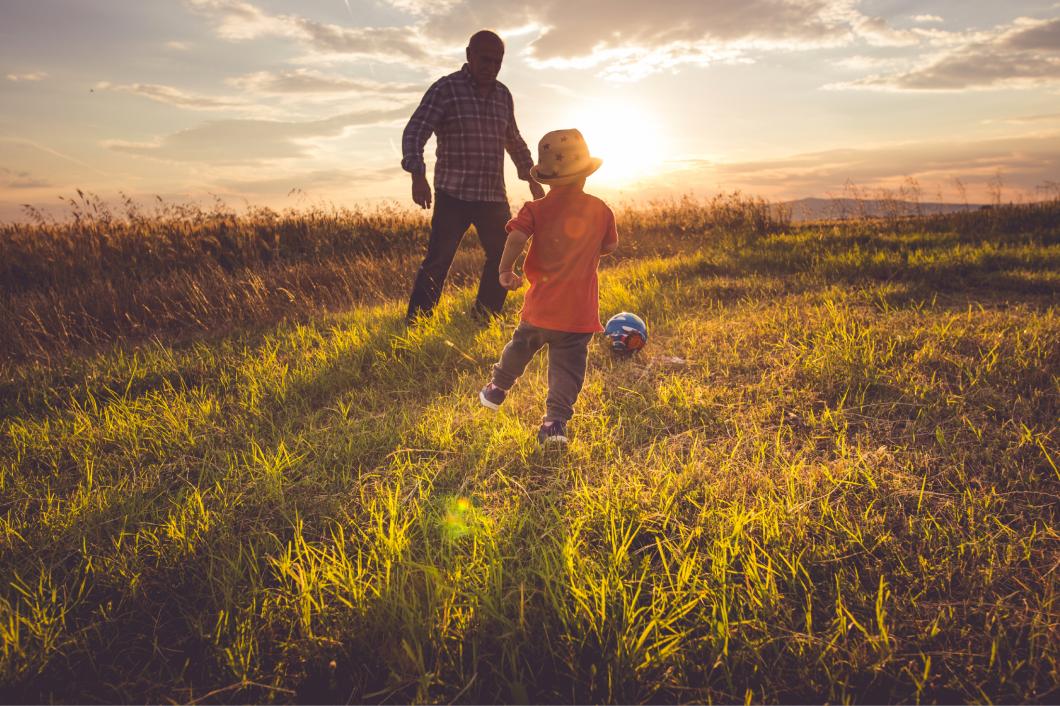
[513, 248]
[610, 241]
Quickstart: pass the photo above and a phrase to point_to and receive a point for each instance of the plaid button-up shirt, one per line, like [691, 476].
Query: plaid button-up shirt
[472, 133]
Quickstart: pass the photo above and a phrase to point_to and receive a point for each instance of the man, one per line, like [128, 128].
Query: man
[472, 114]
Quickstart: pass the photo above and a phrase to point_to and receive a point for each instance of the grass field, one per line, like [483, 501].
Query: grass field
[831, 476]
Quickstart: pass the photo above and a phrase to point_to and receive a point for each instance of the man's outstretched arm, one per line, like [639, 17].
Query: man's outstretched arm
[419, 129]
[516, 146]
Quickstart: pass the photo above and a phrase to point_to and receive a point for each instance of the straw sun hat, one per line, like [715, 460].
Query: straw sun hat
[563, 158]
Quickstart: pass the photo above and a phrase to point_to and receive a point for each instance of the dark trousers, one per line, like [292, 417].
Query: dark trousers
[566, 365]
[449, 222]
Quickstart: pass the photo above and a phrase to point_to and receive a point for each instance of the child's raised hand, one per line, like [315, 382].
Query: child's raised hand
[511, 281]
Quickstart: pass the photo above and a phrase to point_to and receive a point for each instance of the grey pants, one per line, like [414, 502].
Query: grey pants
[566, 365]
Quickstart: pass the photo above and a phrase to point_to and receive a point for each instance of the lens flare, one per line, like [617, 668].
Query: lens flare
[459, 518]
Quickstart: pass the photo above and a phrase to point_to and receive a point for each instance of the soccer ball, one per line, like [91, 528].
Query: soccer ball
[627, 332]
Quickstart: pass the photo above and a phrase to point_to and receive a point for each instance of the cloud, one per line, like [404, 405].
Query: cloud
[309, 182]
[1025, 162]
[305, 81]
[380, 43]
[570, 30]
[631, 39]
[241, 20]
[1027, 119]
[20, 150]
[926, 19]
[300, 84]
[860, 62]
[1025, 53]
[253, 141]
[632, 36]
[878, 32]
[174, 96]
[28, 76]
[237, 20]
[620, 38]
[16, 179]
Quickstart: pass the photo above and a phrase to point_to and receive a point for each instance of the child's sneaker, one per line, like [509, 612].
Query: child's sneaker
[554, 432]
[492, 396]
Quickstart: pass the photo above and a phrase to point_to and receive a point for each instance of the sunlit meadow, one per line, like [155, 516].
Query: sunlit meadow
[229, 473]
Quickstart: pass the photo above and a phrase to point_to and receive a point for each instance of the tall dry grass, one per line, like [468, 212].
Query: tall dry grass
[99, 276]
[104, 275]
[176, 271]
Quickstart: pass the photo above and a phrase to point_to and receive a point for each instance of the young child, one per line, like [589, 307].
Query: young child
[568, 231]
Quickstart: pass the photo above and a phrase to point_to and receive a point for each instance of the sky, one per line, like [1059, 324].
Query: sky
[296, 104]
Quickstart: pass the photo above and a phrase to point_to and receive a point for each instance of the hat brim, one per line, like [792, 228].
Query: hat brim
[594, 164]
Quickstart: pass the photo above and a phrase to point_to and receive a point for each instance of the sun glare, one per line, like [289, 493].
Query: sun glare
[628, 137]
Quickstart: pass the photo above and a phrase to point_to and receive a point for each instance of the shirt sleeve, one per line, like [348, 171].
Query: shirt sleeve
[524, 221]
[515, 144]
[423, 123]
[610, 229]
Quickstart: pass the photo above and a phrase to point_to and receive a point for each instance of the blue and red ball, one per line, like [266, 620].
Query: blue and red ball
[627, 332]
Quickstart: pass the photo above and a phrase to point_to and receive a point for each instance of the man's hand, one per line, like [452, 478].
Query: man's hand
[511, 281]
[536, 189]
[421, 190]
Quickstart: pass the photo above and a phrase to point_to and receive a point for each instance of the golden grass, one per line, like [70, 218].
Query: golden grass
[182, 271]
[831, 476]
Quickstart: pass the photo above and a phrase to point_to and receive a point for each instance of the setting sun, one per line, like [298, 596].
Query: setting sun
[629, 138]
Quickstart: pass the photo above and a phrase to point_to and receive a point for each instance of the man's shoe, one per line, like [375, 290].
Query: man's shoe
[492, 396]
[482, 315]
[554, 432]
[415, 318]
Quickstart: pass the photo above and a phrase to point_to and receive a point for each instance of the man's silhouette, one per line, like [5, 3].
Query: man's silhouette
[472, 114]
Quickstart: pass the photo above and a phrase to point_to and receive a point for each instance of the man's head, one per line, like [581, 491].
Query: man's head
[485, 52]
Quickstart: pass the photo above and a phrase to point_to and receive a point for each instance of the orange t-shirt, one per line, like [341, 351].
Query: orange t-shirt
[568, 229]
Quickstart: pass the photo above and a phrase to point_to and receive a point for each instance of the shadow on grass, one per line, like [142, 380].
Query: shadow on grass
[173, 593]
[1002, 268]
[170, 648]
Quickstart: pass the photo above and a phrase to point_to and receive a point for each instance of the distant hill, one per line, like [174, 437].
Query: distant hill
[813, 209]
